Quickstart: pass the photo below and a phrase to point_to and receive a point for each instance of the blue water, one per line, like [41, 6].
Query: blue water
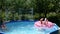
[22, 27]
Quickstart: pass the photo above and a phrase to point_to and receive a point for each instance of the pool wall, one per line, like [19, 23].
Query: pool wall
[55, 32]
[1, 33]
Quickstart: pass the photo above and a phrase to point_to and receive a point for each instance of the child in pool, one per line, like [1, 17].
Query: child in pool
[48, 23]
[39, 24]
[43, 24]
[2, 25]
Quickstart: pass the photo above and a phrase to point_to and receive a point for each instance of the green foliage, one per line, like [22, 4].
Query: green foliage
[9, 9]
[16, 16]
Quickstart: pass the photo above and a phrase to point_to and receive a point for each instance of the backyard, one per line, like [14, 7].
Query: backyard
[31, 10]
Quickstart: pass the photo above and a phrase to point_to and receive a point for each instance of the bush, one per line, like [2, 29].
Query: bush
[54, 18]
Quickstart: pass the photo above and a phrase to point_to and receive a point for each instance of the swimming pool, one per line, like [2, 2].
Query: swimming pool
[22, 27]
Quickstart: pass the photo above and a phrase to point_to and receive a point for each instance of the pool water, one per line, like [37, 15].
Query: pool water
[22, 27]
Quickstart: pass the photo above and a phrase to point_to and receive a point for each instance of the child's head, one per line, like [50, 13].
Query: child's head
[41, 19]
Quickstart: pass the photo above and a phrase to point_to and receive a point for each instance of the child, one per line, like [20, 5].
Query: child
[39, 24]
[43, 24]
[2, 25]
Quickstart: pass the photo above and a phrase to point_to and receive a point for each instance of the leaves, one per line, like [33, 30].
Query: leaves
[40, 7]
